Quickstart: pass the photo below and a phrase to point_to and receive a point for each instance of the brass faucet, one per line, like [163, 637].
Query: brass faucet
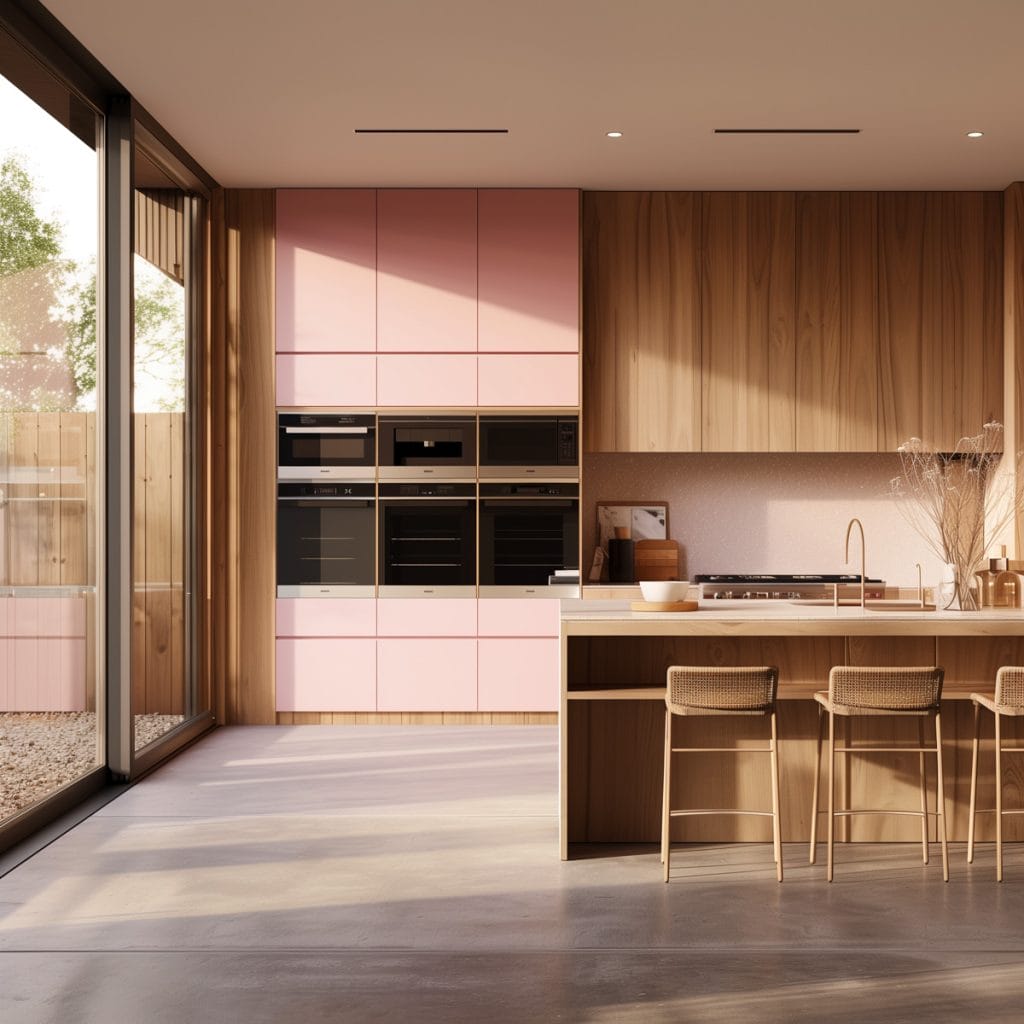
[863, 555]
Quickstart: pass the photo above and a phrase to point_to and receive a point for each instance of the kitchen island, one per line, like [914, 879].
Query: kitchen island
[612, 717]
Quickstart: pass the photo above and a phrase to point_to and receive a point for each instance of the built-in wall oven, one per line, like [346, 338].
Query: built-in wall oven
[427, 539]
[325, 539]
[427, 447]
[326, 446]
[528, 533]
[531, 447]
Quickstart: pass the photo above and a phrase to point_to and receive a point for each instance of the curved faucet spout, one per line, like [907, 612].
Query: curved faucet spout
[863, 554]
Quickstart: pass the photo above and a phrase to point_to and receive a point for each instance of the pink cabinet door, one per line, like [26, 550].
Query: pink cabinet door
[325, 380]
[537, 380]
[426, 270]
[426, 675]
[434, 380]
[510, 616]
[325, 674]
[529, 270]
[519, 675]
[326, 270]
[426, 616]
[311, 616]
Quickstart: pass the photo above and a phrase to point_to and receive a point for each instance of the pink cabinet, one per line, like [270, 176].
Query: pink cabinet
[509, 616]
[528, 380]
[326, 674]
[326, 270]
[326, 380]
[426, 675]
[426, 380]
[311, 616]
[425, 616]
[426, 270]
[529, 270]
[518, 674]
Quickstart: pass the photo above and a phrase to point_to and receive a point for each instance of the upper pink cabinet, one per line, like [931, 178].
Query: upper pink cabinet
[426, 270]
[326, 270]
[528, 270]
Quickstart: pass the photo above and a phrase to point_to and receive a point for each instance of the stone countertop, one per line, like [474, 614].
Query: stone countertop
[783, 618]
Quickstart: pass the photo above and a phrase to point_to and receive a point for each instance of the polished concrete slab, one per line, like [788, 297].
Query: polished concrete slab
[316, 873]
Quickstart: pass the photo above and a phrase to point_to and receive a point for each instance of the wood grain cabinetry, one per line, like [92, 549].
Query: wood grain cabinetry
[641, 321]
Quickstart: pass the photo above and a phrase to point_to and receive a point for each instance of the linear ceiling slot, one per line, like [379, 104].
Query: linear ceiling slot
[787, 131]
[431, 131]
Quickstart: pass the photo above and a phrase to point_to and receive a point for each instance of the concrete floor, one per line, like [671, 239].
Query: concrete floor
[319, 873]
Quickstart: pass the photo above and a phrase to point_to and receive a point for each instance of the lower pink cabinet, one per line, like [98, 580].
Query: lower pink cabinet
[518, 674]
[426, 674]
[528, 380]
[326, 674]
[317, 379]
[422, 380]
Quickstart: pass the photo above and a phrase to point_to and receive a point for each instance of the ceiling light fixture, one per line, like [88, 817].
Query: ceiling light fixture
[974, 135]
[614, 135]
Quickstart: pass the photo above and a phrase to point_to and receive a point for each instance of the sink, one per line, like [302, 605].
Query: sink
[875, 605]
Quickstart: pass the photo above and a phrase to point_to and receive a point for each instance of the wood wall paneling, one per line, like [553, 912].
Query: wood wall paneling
[748, 330]
[836, 322]
[1013, 335]
[641, 312]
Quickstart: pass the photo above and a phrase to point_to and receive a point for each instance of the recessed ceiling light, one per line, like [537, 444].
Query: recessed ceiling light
[974, 135]
[614, 135]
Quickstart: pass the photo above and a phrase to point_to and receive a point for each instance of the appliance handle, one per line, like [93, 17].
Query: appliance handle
[533, 500]
[327, 430]
[325, 502]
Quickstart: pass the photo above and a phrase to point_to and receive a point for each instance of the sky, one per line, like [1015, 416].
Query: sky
[65, 169]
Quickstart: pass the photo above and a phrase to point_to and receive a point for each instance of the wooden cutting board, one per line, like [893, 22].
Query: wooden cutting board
[663, 606]
[656, 560]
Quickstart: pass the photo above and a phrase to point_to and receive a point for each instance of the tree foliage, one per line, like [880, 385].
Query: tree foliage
[27, 240]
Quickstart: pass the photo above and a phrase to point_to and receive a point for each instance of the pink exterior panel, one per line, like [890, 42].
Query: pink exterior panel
[326, 380]
[426, 270]
[519, 675]
[427, 380]
[426, 675]
[425, 616]
[326, 270]
[529, 270]
[311, 616]
[326, 675]
[499, 616]
[537, 380]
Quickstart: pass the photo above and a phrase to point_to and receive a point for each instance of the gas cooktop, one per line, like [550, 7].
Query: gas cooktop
[756, 577]
[782, 586]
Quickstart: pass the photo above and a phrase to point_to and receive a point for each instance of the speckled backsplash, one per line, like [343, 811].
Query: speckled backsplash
[781, 513]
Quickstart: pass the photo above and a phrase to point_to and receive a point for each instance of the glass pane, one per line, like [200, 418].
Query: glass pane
[49, 218]
[161, 690]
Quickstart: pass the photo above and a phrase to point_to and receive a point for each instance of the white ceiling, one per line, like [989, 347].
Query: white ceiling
[267, 93]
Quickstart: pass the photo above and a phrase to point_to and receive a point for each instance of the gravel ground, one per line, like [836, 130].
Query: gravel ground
[43, 751]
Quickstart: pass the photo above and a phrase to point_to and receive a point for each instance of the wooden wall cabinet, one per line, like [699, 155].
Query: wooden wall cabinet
[641, 321]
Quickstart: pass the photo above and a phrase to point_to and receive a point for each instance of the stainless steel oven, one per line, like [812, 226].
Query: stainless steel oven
[535, 447]
[428, 447]
[325, 539]
[326, 446]
[427, 539]
[528, 533]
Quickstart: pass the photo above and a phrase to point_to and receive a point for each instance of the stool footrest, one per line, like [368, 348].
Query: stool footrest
[721, 750]
[717, 810]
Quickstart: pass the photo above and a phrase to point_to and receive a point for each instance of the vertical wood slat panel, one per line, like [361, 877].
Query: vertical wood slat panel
[48, 490]
[159, 230]
[1013, 335]
[748, 337]
[837, 322]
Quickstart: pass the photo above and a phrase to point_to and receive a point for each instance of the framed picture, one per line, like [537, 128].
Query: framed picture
[645, 520]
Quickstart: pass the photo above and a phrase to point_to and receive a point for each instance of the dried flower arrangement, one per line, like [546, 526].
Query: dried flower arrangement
[959, 501]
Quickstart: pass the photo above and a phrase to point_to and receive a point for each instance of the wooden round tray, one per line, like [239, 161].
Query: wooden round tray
[663, 606]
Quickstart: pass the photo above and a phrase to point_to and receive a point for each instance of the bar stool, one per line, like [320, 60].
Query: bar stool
[707, 692]
[1009, 701]
[876, 692]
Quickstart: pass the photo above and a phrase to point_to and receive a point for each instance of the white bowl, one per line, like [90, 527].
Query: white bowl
[664, 590]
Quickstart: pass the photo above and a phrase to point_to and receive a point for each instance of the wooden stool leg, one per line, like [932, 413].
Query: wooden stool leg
[999, 798]
[776, 827]
[940, 797]
[666, 818]
[923, 776]
[974, 784]
[814, 795]
[831, 789]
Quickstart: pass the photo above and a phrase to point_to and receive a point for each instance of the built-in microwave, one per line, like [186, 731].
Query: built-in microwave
[427, 447]
[531, 447]
[326, 446]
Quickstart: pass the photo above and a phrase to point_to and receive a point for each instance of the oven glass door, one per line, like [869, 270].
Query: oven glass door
[427, 542]
[320, 442]
[522, 542]
[522, 441]
[325, 542]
